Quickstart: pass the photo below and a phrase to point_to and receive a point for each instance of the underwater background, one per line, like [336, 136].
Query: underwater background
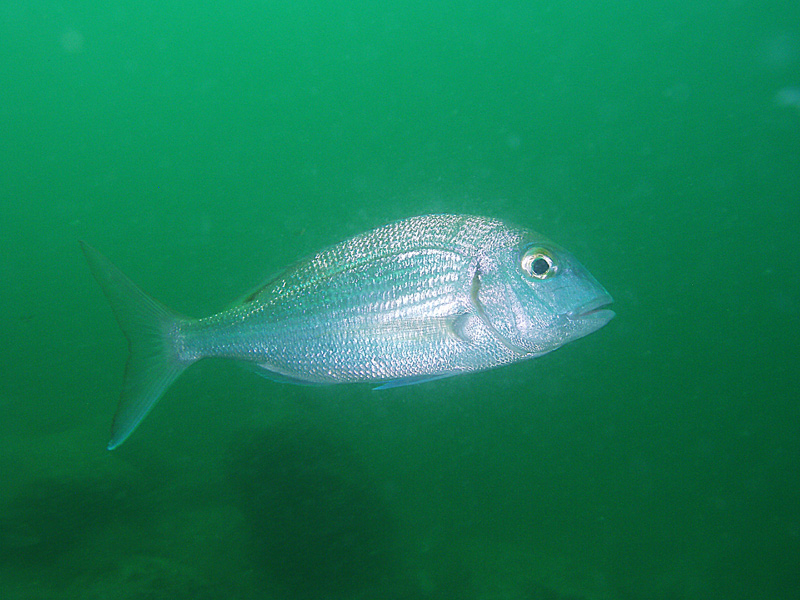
[203, 146]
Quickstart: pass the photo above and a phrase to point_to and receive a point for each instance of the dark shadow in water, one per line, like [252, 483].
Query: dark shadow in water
[319, 529]
[48, 532]
[49, 516]
[537, 591]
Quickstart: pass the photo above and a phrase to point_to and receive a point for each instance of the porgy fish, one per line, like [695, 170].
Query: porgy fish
[423, 298]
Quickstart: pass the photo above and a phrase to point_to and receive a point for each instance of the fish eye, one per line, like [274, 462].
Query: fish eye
[538, 263]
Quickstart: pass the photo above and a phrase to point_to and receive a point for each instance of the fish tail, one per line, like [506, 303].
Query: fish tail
[151, 329]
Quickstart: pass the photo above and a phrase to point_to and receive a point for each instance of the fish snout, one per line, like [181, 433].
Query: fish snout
[593, 310]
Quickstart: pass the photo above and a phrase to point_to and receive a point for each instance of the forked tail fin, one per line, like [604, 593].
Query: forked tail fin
[151, 328]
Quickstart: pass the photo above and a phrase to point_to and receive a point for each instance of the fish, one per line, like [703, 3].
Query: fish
[419, 299]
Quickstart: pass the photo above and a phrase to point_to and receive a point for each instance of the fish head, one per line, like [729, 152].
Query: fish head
[535, 296]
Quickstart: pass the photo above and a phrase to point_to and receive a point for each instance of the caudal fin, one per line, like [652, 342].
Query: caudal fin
[153, 363]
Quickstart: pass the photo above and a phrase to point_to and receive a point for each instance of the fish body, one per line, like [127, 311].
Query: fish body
[419, 299]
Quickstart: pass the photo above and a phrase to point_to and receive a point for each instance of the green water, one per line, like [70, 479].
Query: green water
[203, 146]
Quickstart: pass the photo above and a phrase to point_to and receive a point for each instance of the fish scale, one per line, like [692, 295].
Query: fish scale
[419, 299]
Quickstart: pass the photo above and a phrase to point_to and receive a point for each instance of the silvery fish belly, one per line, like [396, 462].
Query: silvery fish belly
[427, 297]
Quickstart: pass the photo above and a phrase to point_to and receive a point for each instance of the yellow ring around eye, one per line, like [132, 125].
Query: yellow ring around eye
[538, 263]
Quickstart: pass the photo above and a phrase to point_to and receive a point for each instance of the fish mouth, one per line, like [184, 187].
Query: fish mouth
[594, 310]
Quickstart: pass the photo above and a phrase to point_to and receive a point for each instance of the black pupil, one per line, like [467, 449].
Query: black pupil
[540, 266]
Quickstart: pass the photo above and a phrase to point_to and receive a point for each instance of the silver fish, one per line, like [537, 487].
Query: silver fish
[420, 299]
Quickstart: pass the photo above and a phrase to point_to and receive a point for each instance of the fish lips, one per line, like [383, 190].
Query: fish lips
[593, 312]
